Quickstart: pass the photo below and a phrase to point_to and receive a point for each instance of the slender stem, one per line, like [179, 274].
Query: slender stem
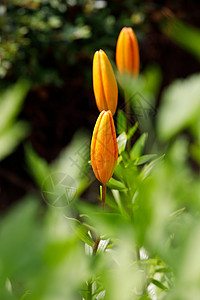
[96, 245]
[103, 200]
[138, 252]
[89, 295]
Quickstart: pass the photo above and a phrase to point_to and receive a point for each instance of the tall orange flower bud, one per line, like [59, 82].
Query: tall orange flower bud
[104, 150]
[127, 52]
[104, 83]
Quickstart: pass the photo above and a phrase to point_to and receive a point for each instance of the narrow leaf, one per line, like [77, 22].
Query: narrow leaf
[158, 284]
[138, 147]
[131, 131]
[147, 168]
[116, 185]
[144, 159]
[163, 270]
[180, 107]
[121, 141]
[81, 232]
[10, 138]
[25, 295]
[37, 166]
[11, 102]
[184, 35]
[121, 122]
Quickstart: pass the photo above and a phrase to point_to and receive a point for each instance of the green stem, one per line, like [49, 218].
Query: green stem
[103, 199]
[89, 295]
[96, 245]
[138, 252]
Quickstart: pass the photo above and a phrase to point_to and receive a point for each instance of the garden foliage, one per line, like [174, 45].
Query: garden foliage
[149, 231]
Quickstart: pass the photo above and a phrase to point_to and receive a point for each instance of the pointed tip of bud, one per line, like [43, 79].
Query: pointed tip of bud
[99, 52]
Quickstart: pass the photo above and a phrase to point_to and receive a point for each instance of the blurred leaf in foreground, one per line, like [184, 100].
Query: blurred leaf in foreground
[11, 137]
[11, 132]
[183, 34]
[180, 107]
[39, 254]
[65, 178]
[11, 102]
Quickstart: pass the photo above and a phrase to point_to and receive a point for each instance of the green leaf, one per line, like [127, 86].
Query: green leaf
[163, 270]
[153, 76]
[10, 138]
[145, 297]
[11, 102]
[37, 165]
[147, 168]
[107, 223]
[84, 290]
[111, 202]
[184, 35]
[116, 185]
[121, 141]
[26, 294]
[81, 232]
[158, 284]
[124, 156]
[131, 131]
[15, 230]
[121, 122]
[138, 147]
[58, 189]
[180, 107]
[67, 177]
[195, 152]
[73, 161]
[117, 198]
[177, 213]
[195, 129]
[144, 159]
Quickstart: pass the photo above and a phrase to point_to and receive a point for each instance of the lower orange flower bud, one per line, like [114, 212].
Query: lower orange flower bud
[104, 150]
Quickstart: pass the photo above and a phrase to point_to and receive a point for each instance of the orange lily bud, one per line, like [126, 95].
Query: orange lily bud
[104, 150]
[127, 52]
[104, 83]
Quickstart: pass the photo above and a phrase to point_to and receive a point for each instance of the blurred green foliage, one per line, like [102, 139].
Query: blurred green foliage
[186, 36]
[12, 132]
